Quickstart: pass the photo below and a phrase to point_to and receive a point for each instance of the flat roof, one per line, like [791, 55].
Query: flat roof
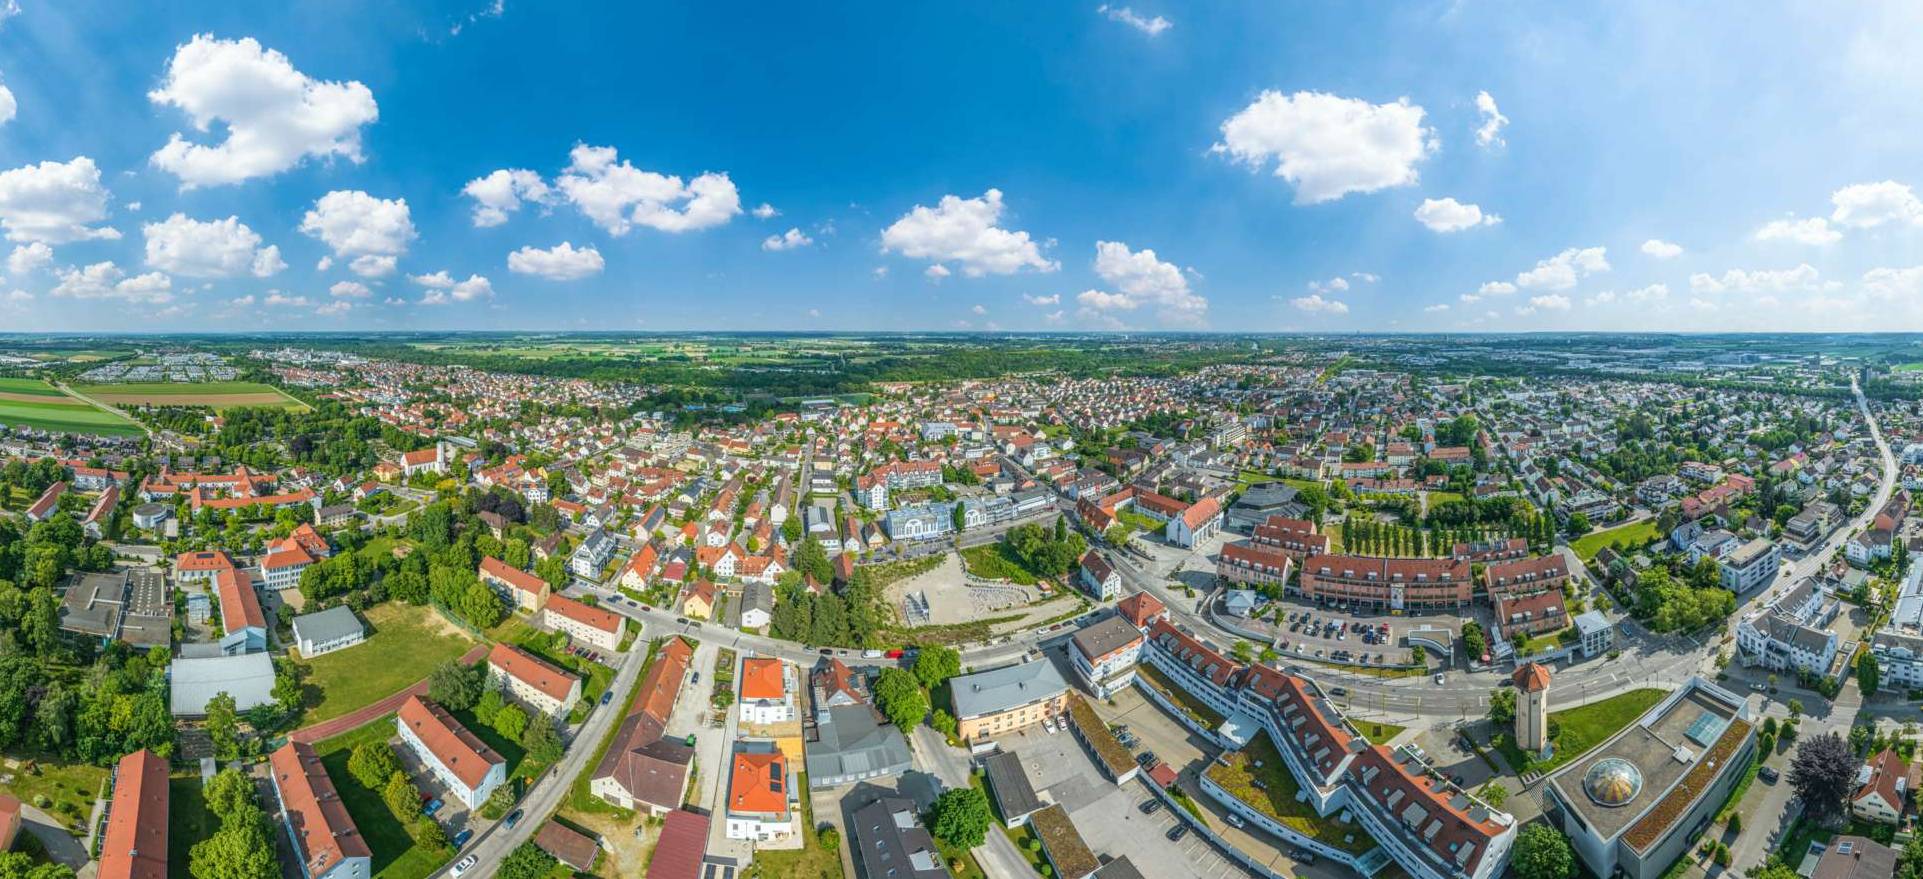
[1010, 786]
[249, 678]
[1006, 688]
[1658, 745]
[93, 603]
[1097, 640]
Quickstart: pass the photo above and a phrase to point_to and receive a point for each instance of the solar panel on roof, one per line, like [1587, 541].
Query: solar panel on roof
[1704, 729]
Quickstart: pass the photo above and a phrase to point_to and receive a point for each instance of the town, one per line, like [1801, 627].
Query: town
[1297, 608]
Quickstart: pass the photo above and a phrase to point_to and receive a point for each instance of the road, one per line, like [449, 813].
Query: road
[494, 843]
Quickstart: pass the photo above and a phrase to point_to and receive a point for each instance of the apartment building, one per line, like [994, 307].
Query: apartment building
[1751, 566]
[1104, 655]
[459, 760]
[595, 627]
[327, 845]
[1003, 700]
[1387, 583]
[532, 680]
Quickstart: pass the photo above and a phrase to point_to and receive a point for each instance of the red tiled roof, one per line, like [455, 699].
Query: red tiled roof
[532, 670]
[598, 617]
[461, 751]
[1445, 826]
[1138, 608]
[1201, 511]
[286, 554]
[759, 783]
[1532, 677]
[212, 560]
[325, 833]
[513, 577]
[135, 844]
[681, 846]
[761, 678]
[239, 606]
[1198, 656]
[573, 849]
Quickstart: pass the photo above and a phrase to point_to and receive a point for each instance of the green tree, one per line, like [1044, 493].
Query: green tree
[1542, 853]
[540, 740]
[1473, 640]
[510, 722]
[1243, 651]
[1868, 674]
[935, 664]
[526, 862]
[400, 796]
[238, 850]
[223, 726]
[372, 764]
[1502, 706]
[943, 722]
[455, 686]
[960, 817]
[828, 837]
[901, 698]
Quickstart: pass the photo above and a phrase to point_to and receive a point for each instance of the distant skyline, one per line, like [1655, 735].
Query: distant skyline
[510, 166]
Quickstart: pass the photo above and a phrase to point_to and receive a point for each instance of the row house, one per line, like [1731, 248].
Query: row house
[465, 766]
[1387, 583]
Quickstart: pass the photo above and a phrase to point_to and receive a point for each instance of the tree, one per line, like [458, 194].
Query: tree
[901, 698]
[960, 817]
[229, 793]
[1242, 651]
[238, 850]
[372, 764]
[488, 705]
[1474, 640]
[510, 722]
[542, 745]
[828, 837]
[1502, 706]
[526, 862]
[1868, 674]
[1495, 794]
[1822, 773]
[400, 796]
[20, 865]
[936, 664]
[223, 726]
[1542, 853]
[455, 686]
[943, 722]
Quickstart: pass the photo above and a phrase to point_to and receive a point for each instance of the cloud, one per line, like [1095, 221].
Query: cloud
[281, 300]
[1489, 133]
[618, 196]
[1489, 288]
[1551, 301]
[562, 262]
[1905, 284]
[1365, 277]
[1446, 215]
[371, 232]
[1868, 205]
[29, 258]
[211, 249]
[1315, 304]
[273, 115]
[788, 240]
[1433, 309]
[1151, 26]
[502, 192]
[979, 309]
[1810, 230]
[1335, 285]
[443, 289]
[8, 106]
[936, 272]
[104, 280]
[1042, 301]
[1328, 146]
[964, 231]
[1651, 293]
[1661, 249]
[1803, 278]
[335, 308]
[765, 211]
[54, 202]
[1560, 272]
[1143, 280]
[350, 290]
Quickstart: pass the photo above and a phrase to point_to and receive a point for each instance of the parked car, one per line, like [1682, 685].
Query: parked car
[1302, 856]
[1438, 679]
[1236, 821]
[605, 697]
[1145, 758]
[433, 805]
[460, 839]
[1767, 774]
[1338, 691]
[1149, 807]
[512, 818]
[466, 864]
[1177, 832]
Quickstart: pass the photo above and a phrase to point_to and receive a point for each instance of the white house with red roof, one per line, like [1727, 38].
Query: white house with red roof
[459, 760]
[433, 459]
[533, 681]
[243, 625]
[1882, 789]
[766, 693]
[596, 627]
[522, 590]
[1195, 523]
[281, 567]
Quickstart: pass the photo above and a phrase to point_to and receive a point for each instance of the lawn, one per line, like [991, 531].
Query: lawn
[219, 395]
[64, 790]
[1247, 478]
[1139, 522]
[32, 386]
[1257, 776]
[1378, 733]
[61, 414]
[404, 644]
[1633, 535]
[188, 820]
[993, 561]
[395, 854]
[1585, 727]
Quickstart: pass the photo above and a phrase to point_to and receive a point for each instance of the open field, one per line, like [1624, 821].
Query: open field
[220, 395]
[1582, 728]
[993, 561]
[188, 820]
[63, 790]
[404, 644]
[1633, 535]
[27, 402]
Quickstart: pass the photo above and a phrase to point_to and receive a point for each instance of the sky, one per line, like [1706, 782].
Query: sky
[1000, 166]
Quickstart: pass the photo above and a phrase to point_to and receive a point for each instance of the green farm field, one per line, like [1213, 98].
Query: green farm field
[26, 402]
[220, 395]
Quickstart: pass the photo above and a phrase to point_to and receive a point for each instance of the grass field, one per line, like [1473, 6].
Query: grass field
[395, 854]
[404, 644]
[28, 402]
[219, 395]
[1585, 727]
[64, 790]
[1239, 772]
[188, 821]
[993, 561]
[1633, 535]
[1378, 733]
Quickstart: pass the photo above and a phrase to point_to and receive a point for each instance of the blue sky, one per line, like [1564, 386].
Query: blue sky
[1012, 166]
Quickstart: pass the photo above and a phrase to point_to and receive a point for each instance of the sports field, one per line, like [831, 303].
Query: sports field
[28, 402]
[219, 395]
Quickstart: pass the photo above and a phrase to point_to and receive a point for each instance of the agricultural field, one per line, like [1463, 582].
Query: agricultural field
[219, 395]
[27, 402]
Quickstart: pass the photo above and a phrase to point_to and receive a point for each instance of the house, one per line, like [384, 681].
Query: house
[642, 769]
[433, 459]
[594, 626]
[1104, 655]
[1754, 565]
[761, 796]
[698, 599]
[465, 766]
[1196, 523]
[521, 590]
[47, 504]
[336, 628]
[96, 520]
[757, 605]
[243, 625]
[1882, 789]
[9, 820]
[1529, 613]
[640, 568]
[577, 850]
[1006, 699]
[532, 680]
[766, 697]
[1855, 857]
[592, 555]
[134, 845]
[1099, 578]
[327, 845]
[1140, 609]
[681, 847]
[892, 842]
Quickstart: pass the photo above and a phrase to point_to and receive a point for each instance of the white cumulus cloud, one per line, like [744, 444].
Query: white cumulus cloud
[1560, 272]
[273, 115]
[764, 211]
[1446, 215]
[618, 196]
[1661, 249]
[1803, 278]
[562, 262]
[1489, 133]
[788, 240]
[210, 249]
[1315, 304]
[1868, 205]
[1042, 301]
[1809, 230]
[502, 192]
[28, 258]
[1143, 279]
[965, 231]
[350, 290]
[1152, 26]
[104, 280]
[442, 289]
[54, 202]
[8, 106]
[1328, 146]
[1551, 301]
[370, 232]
